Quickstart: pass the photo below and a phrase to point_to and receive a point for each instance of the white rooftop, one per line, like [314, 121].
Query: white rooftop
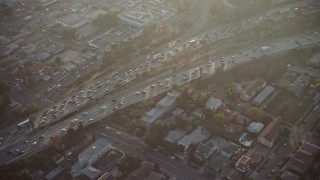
[255, 127]
[213, 103]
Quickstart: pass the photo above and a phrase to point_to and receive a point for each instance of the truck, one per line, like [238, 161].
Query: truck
[265, 49]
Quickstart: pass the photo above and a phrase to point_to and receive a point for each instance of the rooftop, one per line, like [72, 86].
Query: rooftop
[97, 147]
[213, 103]
[254, 85]
[198, 135]
[255, 127]
[174, 136]
[263, 94]
[271, 131]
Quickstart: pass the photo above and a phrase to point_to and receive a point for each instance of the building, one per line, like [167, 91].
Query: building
[244, 163]
[94, 152]
[196, 136]
[136, 19]
[141, 173]
[174, 136]
[155, 176]
[255, 156]
[90, 172]
[52, 174]
[58, 158]
[215, 166]
[164, 105]
[69, 67]
[263, 95]
[288, 175]
[255, 127]
[213, 103]
[203, 152]
[315, 59]
[269, 135]
[229, 150]
[252, 89]
[298, 86]
[29, 49]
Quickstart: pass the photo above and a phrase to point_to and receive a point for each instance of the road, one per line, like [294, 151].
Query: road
[128, 96]
[130, 144]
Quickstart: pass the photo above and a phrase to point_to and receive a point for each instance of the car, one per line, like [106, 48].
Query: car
[103, 107]
[108, 128]
[137, 93]
[63, 130]
[103, 134]
[172, 157]
[10, 151]
[34, 143]
[119, 133]
[42, 137]
[26, 141]
[85, 113]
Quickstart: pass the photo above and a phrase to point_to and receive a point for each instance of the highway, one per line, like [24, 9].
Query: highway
[162, 83]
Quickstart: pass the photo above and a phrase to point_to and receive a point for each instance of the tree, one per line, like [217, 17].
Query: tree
[58, 60]
[107, 20]
[285, 132]
[219, 118]
[181, 122]
[255, 113]
[71, 132]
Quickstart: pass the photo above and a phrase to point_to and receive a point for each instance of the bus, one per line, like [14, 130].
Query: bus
[24, 123]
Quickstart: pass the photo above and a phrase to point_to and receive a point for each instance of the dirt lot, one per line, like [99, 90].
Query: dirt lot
[296, 107]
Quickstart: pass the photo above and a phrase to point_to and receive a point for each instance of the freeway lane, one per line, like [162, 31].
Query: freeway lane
[129, 97]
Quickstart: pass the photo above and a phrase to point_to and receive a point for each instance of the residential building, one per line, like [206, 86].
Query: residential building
[230, 174]
[229, 150]
[94, 152]
[197, 113]
[213, 103]
[263, 95]
[164, 105]
[203, 152]
[244, 163]
[91, 172]
[298, 86]
[174, 136]
[58, 158]
[288, 175]
[155, 176]
[315, 59]
[136, 19]
[215, 166]
[141, 173]
[301, 161]
[252, 89]
[255, 156]
[196, 136]
[269, 134]
[255, 127]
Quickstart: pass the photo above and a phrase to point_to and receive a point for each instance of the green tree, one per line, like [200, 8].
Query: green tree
[255, 113]
[219, 118]
[181, 122]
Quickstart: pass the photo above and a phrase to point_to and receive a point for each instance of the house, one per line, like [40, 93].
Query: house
[90, 172]
[245, 139]
[58, 158]
[301, 161]
[255, 156]
[196, 136]
[174, 136]
[263, 95]
[197, 113]
[141, 173]
[203, 152]
[213, 103]
[216, 142]
[93, 152]
[164, 105]
[269, 134]
[252, 89]
[244, 163]
[255, 127]
[288, 175]
[177, 112]
[215, 166]
[310, 148]
[229, 149]
[230, 174]
[298, 86]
